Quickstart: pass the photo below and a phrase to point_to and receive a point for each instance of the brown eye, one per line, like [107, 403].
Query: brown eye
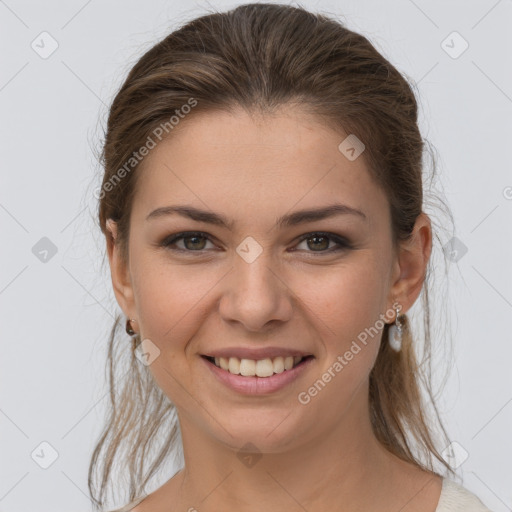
[192, 242]
[319, 242]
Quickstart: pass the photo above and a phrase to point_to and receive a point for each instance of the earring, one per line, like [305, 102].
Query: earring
[129, 329]
[395, 331]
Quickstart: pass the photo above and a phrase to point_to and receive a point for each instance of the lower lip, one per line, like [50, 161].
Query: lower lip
[258, 385]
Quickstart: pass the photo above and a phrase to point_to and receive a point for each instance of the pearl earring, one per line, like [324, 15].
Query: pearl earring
[395, 331]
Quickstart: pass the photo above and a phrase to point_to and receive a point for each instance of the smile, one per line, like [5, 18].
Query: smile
[257, 368]
[257, 377]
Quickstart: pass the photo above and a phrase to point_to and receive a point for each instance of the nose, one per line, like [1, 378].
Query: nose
[255, 295]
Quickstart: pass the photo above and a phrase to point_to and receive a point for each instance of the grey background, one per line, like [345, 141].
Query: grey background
[56, 314]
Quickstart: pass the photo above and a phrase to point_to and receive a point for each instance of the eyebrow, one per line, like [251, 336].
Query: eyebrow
[288, 220]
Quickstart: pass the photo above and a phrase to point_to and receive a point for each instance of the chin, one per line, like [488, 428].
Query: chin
[268, 432]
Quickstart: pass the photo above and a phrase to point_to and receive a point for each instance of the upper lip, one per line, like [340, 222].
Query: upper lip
[256, 353]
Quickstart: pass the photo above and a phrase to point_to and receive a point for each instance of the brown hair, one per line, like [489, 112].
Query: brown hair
[259, 57]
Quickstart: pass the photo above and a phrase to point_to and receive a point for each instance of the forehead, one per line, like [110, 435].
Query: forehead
[245, 164]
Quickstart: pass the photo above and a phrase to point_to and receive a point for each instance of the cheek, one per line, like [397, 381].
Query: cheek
[171, 303]
[171, 299]
[345, 305]
[345, 296]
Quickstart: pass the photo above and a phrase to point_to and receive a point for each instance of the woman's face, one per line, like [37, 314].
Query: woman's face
[255, 284]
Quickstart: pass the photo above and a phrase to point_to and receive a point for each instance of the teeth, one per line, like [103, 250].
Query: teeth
[261, 368]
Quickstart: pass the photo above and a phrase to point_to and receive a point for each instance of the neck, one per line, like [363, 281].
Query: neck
[320, 470]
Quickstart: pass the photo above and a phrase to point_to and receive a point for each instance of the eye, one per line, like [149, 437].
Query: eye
[320, 242]
[195, 241]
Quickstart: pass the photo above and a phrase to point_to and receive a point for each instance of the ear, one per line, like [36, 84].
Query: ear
[119, 271]
[411, 265]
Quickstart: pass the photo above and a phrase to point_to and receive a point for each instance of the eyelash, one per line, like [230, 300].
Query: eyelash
[343, 244]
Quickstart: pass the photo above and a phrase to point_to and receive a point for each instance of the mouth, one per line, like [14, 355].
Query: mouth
[257, 368]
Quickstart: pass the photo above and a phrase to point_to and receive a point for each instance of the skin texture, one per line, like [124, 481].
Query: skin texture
[254, 169]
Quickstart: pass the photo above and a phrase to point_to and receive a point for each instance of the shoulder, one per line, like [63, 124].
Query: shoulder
[131, 507]
[454, 498]
[159, 499]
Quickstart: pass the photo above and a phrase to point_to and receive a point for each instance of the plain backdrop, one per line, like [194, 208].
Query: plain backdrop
[56, 299]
